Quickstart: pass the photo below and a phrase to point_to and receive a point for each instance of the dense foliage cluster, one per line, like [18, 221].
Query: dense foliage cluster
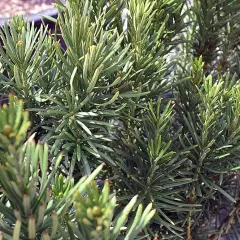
[132, 105]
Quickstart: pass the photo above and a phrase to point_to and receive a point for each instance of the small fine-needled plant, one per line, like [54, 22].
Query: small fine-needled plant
[35, 204]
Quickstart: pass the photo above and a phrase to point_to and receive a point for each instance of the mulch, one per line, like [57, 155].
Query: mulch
[9, 8]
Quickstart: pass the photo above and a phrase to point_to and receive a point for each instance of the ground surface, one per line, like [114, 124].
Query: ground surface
[8, 8]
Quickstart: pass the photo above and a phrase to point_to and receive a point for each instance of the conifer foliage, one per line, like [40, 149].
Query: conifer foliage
[131, 128]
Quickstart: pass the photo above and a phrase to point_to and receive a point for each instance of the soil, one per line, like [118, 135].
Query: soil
[8, 8]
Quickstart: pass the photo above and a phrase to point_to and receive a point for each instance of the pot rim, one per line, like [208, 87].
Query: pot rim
[36, 17]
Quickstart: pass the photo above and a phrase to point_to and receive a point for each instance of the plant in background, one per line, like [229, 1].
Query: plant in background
[214, 31]
[154, 166]
[92, 69]
[210, 120]
[24, 54]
